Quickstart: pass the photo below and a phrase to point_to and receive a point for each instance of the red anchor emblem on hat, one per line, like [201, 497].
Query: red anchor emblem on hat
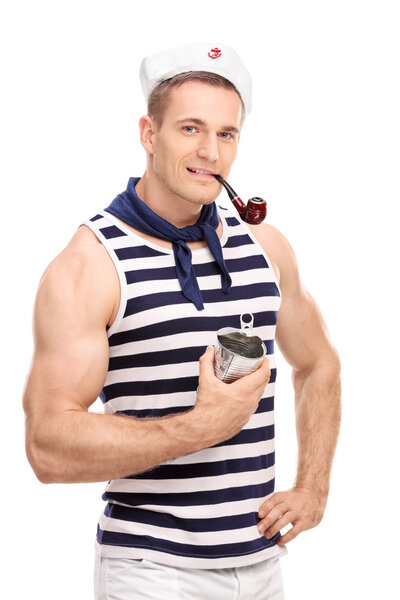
[214, 53]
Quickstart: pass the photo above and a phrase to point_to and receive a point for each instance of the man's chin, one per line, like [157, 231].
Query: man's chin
[195, 194]
[203, 199]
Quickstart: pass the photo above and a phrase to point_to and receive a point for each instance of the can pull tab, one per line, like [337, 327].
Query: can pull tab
[246, 325]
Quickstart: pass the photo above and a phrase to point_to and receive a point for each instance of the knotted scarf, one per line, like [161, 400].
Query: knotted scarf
[132, 210]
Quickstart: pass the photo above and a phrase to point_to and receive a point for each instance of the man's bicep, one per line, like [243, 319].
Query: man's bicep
[301, 331]
[69, 378]
[71, 350]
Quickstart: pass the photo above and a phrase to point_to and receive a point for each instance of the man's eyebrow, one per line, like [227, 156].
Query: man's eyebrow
[203, 123]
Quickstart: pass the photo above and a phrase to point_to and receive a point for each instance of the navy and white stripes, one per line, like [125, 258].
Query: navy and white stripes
[198, 510]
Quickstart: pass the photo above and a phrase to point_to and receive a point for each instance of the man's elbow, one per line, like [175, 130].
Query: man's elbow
[326, 364]
[332, 361]
[39, 458]
[41, 473]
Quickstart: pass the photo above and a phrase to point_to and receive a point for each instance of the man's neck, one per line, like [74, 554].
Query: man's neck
[166, 204]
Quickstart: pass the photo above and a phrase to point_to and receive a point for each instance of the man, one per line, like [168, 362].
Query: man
[129, 311]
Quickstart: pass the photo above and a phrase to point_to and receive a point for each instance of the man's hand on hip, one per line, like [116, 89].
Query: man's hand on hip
[302, 507]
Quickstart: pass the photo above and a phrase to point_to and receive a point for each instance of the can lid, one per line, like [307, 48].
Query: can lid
[242, 342]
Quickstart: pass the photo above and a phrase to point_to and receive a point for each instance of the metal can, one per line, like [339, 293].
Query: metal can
[238, 352]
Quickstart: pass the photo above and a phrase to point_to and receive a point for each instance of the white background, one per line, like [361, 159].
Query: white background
[321, 145]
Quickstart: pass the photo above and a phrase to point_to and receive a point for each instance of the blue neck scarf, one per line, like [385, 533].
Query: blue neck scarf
[132, 210]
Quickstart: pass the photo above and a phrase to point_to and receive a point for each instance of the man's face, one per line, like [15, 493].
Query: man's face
[200, 130]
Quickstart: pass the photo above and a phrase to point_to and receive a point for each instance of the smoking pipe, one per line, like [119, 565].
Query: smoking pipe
[256, 209]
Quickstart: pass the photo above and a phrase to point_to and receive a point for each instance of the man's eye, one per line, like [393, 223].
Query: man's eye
[189, 128]
[226, 135]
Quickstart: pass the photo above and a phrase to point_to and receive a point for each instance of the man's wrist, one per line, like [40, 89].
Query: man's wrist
[187, 431]
[318, 488]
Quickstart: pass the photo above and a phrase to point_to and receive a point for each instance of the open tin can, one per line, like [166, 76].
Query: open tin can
[238, 352]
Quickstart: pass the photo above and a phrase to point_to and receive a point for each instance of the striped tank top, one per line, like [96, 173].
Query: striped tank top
[198, 510]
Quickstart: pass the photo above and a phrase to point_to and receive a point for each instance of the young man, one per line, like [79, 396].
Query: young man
[130, 310]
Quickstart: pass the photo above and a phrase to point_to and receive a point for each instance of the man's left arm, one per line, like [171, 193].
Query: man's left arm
[304, 341]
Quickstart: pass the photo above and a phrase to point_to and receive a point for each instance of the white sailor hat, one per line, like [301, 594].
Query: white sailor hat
[221, 59]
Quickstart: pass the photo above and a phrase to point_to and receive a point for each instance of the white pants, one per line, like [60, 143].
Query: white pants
[132, 579]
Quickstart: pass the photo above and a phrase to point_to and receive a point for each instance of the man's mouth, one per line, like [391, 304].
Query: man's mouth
[203, 172]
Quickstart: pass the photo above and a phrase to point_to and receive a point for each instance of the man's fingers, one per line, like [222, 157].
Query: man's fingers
[286, 519]
[258, 378]
[289, 535]
[274, 515]
[207, 361]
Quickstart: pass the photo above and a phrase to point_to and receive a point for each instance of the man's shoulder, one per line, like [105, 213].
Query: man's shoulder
[83, 251]
[276, 246]
[270, 237]
[82, 269]
[85, 243]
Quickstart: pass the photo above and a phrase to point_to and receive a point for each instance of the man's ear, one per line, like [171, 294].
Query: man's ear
[147, 128]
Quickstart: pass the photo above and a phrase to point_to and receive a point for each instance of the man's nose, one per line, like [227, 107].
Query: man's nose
[208, 148]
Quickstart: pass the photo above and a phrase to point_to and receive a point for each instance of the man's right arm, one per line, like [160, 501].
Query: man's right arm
[67, 443]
